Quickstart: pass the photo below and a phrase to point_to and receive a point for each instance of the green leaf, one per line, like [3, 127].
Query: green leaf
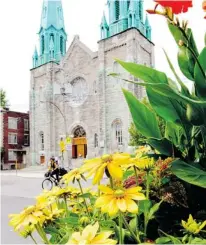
[197, 240]
[86, 195]
[144, 206]
[144, 119]
[70, 220]
[172, 132]
[184, 89]
[172, 238]
[163, 240]
[189, 173]
[153, 210]
[144, 73]
[164, 146]
[200, 74]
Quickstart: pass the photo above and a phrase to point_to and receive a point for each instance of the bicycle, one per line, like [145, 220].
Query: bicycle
[50, 181]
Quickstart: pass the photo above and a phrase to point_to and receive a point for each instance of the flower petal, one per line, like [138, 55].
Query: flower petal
[103, 200]
[112, 207]
[138, 196]
[121, 204]
[133, 190]
[115, 171]
[105, 189]
[131, 206]
[99, 174]
[101, 237]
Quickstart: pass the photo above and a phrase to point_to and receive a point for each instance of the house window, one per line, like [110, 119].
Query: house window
[12, 138]
[26, 125]
[26, 139]
[12, 156]
[128, 3]
[12, 122]
[42, 141]
[117, 9]
[96, 143]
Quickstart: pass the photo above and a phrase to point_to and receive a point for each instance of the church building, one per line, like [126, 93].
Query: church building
[71, 93]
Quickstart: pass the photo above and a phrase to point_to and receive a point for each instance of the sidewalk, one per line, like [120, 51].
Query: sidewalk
[29, 172]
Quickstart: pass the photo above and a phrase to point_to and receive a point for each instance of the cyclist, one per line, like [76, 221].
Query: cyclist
[54, 168]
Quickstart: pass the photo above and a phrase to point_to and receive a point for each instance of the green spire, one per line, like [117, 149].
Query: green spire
[148, 28]
[52, 33]
[52, 14]
[124, 14]
[104, 27]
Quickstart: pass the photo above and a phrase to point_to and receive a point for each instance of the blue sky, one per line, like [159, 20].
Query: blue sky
[20, 21]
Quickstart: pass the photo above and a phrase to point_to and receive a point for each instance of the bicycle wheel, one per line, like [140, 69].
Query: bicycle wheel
[47, 184]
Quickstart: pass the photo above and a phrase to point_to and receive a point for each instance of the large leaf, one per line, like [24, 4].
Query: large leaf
[186, 57]
[184, 89]
[144, 73]
[189, 173]
[145, 120]
[200, 74]
[165, 108]
[164, 146]
[172, 131]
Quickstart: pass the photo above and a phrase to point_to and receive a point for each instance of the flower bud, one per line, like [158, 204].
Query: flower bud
[84, 220]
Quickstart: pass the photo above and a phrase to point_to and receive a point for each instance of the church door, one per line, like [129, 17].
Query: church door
[79, 148]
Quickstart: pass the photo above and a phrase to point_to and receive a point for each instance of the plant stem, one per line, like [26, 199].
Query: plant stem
[85, 203]
[42, 233]
[111, 182]
[67, 210]
[147, 185]
[129, 229]
[33, 238]
[137, 225]
[136, 176]
[145, 225]
[120, 229]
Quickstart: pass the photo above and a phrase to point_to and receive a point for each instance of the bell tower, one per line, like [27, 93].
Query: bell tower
[52, 34]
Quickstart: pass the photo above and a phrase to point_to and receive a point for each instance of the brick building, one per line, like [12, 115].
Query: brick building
[14, 139]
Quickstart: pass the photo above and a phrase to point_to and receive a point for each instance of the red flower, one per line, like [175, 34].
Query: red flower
[204, 7]
[178, 6]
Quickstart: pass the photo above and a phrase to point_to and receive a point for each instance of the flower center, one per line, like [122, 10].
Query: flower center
[119, 193]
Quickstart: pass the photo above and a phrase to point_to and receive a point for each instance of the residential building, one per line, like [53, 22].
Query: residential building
[14, 138]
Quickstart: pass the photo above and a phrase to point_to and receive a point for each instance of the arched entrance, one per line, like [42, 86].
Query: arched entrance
[79, 144]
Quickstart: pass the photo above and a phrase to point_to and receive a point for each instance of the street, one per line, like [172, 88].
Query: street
[16, 193]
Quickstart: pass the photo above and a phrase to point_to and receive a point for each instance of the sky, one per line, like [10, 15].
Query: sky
[20, 22]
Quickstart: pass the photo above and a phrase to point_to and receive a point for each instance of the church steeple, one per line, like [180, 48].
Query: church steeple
[52, 35]
[125, 14]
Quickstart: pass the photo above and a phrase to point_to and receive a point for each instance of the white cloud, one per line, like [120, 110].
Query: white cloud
[20, 21]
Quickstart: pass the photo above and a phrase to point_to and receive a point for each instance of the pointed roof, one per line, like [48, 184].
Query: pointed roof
[104, 21]
[147, 24]
[52, 14]
[35, 55]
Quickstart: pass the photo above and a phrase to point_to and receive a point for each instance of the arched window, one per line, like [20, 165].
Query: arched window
[41, 141]
[96, 143]
[52, 37]
[128, 4]
[130, 21]
[117, 9]
[140, 9]
[42, 45]
[62, 45]
[117, 131]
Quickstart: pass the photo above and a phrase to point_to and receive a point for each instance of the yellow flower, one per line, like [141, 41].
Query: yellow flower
[192, 226]
[89, 236]
[122, 200]
[26, 231]
[29, 216]
[112, 163]
[144, 163]
[142, 150]
[75, 174]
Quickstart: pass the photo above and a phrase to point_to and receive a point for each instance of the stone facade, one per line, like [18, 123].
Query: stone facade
[93, 100]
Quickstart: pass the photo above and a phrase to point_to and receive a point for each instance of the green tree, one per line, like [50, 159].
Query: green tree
[136, 138]
[3, 98]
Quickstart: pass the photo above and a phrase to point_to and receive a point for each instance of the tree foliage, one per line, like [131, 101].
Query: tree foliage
[3, 99]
